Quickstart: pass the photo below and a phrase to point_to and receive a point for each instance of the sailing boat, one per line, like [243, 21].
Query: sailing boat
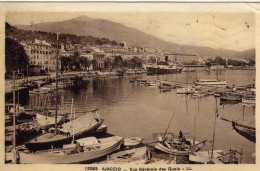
[204, 156]
[214, 156]
[176, 146]
[211, 81]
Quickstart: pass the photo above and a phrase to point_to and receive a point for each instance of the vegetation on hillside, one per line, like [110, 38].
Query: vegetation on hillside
[29, 35]
[16, 58]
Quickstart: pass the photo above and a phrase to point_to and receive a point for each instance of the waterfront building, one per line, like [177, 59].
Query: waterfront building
[42, 54]
[100, 61]
[180, 58]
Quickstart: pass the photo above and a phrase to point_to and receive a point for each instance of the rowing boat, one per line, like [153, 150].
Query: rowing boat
[70, 153]
[134, 156]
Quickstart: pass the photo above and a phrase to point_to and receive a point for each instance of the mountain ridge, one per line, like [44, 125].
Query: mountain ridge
[101, 28]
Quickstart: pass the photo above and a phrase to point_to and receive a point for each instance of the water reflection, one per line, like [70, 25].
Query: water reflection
[137, 110]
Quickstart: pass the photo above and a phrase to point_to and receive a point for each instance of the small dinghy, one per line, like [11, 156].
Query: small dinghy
[134, 156]
[204, 157]
[132, 141]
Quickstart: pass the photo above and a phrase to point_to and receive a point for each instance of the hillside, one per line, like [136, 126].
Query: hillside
[85, 26]
[29, 35]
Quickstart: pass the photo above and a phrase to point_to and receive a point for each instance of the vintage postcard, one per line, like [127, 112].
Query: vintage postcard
[129, 86]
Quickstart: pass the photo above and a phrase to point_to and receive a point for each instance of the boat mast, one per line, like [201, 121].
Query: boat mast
[71, 109]
[168, 126]
[217, 72]
[187, 79]
[73, 137]
[214, 130]
[195, 118]
[56, 98]
[14, 131]
[86, 104]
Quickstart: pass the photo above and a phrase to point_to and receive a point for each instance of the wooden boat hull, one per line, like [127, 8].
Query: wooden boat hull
[203, 157]
[57, 140]
[210, 82]
[164, 149]
[237, 99]
[248, 101]
[134, 156]
[61, 158]
[133, 141]
[245, 131]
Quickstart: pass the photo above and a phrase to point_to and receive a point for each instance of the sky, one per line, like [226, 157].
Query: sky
[228, 30]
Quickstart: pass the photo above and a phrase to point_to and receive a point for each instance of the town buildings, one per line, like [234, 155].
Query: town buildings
[42, 54]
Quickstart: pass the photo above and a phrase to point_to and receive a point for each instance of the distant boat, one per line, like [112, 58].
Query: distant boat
[248, 101]
[210, 82]
[134, 156]
[150, 83]
[185, 90]
[90, 149]
[83, 125]
[231, 98]
[163, 68]
[47, 120]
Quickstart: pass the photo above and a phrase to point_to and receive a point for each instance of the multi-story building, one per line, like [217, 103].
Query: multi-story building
[180, 58]
[42, 54]
[100, 61]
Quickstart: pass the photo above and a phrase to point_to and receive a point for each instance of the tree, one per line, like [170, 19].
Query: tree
[219, 61]
[108, 63]
[136, 62]
[15, 56]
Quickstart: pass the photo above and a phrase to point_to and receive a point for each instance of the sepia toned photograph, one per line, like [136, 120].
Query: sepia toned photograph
[130, 86]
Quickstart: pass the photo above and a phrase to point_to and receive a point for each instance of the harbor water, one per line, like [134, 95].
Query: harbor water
[130, 109]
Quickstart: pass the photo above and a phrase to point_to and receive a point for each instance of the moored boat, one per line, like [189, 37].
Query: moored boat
[139, 155]
[185, 90]
[178, 146]
[78, 127]
[248, 101]
[132, 141]
[231, 98]
[210, 82]
[163, 68]
[75, 153]
[246, 131]
[204, 157]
